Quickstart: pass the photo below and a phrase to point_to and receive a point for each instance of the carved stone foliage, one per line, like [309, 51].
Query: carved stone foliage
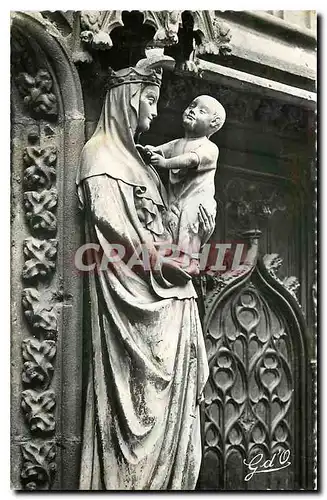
[39, 208]
[38, 362]
[40, 200]
[39, 314]
[96, 26]
[200, 32]
[40, 167]
[273, 262]
[167, 33]
[38, 464]
[38, 409]
[215, 34]
[37, 94]
[33, 81]
[40, 258]
[207, 33]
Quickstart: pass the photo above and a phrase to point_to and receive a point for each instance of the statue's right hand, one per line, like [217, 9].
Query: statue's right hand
[174, 273]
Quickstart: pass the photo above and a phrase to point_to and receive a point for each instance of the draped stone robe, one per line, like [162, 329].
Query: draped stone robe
[144, 348]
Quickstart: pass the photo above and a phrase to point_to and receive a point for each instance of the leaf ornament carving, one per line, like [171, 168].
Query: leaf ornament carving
[215, 35]
[272, 263]
[39, 208]
[40, 163]
[39, 314]
[167, 34]
[37, 93]
[222, 37]
[40, 258]
[96, 26]
[39, 410]
[39, 464]
[38, 367]
[40, 199]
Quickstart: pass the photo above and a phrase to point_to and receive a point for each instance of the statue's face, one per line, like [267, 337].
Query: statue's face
[199, 115]
[147, 107]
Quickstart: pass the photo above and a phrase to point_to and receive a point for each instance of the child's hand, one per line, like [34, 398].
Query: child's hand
[149, 148]
[157, 160]
[144, 152]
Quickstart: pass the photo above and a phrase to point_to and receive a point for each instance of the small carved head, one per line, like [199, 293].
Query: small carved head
[204, 116]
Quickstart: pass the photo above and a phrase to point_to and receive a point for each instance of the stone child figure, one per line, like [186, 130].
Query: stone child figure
[192, 161]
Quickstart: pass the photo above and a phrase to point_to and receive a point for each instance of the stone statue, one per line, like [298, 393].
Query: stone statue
[146, 363]
[192, 163]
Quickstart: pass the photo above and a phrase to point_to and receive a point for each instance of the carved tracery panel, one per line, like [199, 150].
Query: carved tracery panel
[254, 408]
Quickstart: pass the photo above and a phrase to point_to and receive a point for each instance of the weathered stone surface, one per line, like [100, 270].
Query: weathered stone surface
[40, 145]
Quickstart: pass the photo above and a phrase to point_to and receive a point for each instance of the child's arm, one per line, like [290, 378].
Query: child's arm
[163, 149]
[186, 160]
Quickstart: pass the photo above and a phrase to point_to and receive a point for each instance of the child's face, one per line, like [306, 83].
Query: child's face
[198, 116]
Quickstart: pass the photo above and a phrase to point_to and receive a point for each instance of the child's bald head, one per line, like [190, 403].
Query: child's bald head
[217, 109]
[204, 114]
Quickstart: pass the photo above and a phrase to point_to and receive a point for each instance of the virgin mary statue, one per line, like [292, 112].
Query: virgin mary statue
[144, 349]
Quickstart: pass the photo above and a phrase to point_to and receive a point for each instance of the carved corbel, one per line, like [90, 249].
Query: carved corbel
[167, 34]
[201, 33]
[96, 26]
[215, 35]
[95, 29]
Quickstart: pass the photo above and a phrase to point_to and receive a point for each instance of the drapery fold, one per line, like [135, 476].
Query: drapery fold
[148, 362]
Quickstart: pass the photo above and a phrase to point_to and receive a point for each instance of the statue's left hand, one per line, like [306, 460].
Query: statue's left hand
[206, 224]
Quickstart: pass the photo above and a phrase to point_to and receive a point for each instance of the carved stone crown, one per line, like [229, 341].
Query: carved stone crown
[147, 70]
[133, 75]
